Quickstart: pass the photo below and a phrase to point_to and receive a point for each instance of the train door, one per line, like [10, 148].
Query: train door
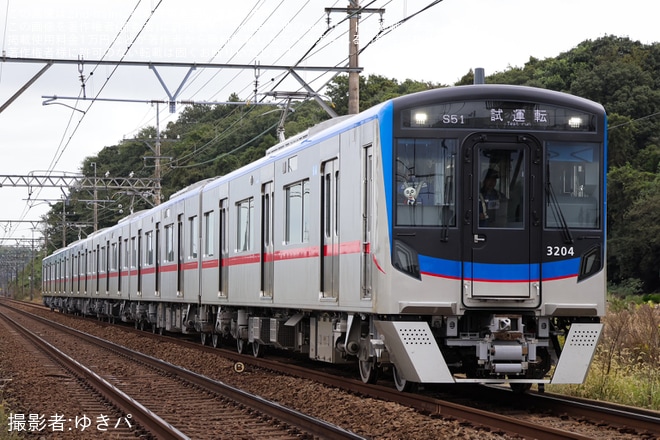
[501, 216]
[97, 269]
[139, 260]
[367, 200]
[179, 254]
[267, 262]
[330, 229]
[157, 261]
[119, 266]
[223, 269]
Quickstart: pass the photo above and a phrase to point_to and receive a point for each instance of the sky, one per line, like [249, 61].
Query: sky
[420, 40]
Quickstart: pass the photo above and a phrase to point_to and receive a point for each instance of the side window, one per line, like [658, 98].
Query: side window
[127, 254]
[149, 251]
[425, 182]
[209, 231]
[244, 214]
[113, 257]
[193, 237]
[169, 243]
[133, 252]
[297, 213]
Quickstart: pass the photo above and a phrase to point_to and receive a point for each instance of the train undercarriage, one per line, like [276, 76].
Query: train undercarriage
[482, 347]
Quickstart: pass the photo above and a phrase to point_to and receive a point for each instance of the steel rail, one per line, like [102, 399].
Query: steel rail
[147, 419]
[274, 410]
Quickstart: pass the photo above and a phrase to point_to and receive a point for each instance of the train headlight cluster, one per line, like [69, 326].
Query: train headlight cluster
[421, 118]
[575, 122]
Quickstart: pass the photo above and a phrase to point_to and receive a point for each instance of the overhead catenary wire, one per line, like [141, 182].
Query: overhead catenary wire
[243, 24]
[253, 59]
[226, 132]
[238, 28]
[243, 145]
[4, 36]
[62, 147]
[314, 49]
[390, 28]
[198, 151]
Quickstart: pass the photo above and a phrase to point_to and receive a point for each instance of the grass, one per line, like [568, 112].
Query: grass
[626, 367]
[4, 424]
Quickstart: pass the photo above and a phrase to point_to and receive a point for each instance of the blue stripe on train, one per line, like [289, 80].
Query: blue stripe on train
[498, 272]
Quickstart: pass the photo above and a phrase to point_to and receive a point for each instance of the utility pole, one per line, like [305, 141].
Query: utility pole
[353, 48]
[32, 271]
[64, 203]
[96, 203]
[353, 10]
[157, 190]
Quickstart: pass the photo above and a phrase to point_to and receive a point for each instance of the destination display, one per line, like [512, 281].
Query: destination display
[499, 115]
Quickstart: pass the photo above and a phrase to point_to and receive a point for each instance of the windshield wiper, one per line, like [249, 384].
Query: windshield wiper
[558, 214]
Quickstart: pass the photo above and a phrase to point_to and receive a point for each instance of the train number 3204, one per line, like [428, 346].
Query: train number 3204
[560, 251]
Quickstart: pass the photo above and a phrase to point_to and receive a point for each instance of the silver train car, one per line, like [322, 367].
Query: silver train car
[449, 236]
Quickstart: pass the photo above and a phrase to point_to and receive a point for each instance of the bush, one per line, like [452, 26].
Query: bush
[626, 366]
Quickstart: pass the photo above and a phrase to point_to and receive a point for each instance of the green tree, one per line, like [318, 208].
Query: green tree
[632, 212]
[373, 90]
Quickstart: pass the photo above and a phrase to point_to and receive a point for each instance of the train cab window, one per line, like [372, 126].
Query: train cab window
[501, 195]
[573, 185]
[425, 182]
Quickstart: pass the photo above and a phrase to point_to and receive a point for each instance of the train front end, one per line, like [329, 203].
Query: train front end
[495, 207]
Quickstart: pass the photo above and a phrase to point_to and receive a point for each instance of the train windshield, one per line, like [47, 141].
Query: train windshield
[425, 176]
[573, 185]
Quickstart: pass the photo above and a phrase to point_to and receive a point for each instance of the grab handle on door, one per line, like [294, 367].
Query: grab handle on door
[478, 238]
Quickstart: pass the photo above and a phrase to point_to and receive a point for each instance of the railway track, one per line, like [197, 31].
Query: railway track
[620, 424]
[167, 401]
[62, 421]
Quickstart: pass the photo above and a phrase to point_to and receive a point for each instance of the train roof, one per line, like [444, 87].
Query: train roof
[496, 91]
[192, 186]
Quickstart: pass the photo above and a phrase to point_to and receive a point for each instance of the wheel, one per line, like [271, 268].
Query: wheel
[520, 388]
[258, 349]
[400, 382]
[368, 371]
[203, 337]
[241, 345]
[215, 340]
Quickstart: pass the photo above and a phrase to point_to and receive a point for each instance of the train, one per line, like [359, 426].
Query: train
[454, 235]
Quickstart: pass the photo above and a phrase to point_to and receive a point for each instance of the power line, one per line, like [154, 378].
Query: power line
[64, 144]
[634, 120]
